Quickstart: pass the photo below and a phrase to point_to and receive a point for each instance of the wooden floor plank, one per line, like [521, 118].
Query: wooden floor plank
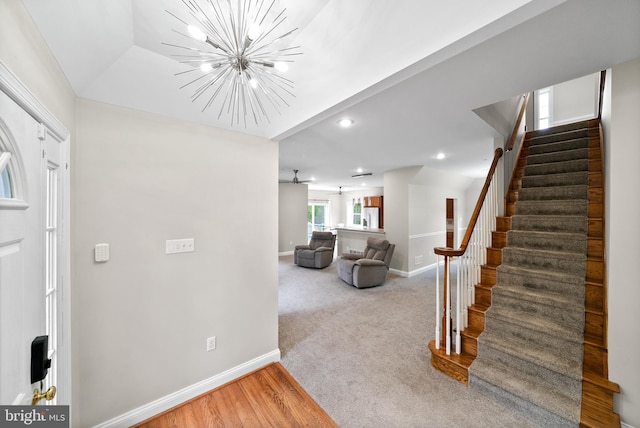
[269, 397]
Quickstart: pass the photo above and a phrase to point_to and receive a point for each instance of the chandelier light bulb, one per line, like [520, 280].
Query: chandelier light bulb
[205, 68]
[254, 31]
[253, 83]
[197, 33]
[281, 66]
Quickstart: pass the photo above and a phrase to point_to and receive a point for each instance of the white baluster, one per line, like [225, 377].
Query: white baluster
[438, 303]
[447, 308]
[458, 303]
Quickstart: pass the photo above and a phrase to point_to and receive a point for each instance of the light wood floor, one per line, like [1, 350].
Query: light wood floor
[268, 397]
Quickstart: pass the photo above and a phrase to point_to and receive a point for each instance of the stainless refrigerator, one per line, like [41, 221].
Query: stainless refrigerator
[371, 217]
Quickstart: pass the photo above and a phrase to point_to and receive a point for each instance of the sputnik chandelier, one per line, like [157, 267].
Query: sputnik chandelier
[238, 51]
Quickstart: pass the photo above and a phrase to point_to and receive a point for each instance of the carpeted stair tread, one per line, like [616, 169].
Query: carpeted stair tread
[526, 393]
[543, 339]
[536, 279]
[535, 323]
[550, 223]
[547, 180]
[564, 128]
[556, 193]
[552, 241]
[566, 316]
[548, 207]
[559, 368]
[562, 136]
[578, 143]
[557, 167]
[561, 156]
[539, 297]
[569, 263]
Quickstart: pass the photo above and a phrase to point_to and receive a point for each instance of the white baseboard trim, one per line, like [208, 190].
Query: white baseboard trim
[160, 405]
[402, 273]
[286, 253]
[623, 425]
[415, 272]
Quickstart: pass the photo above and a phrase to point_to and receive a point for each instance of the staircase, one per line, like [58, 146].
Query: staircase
[537, 331]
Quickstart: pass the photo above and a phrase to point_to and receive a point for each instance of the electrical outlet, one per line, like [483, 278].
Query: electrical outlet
[211, 343]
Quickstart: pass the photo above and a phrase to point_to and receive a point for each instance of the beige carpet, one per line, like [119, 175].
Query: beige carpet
[363, 354]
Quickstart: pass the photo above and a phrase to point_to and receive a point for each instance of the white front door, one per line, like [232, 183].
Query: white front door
[33, 252]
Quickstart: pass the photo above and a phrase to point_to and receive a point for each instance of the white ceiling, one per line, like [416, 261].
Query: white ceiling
[409, 72]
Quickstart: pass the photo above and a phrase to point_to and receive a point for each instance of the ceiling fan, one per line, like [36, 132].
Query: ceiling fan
[337, 193]
[363, 174]
[295, 179]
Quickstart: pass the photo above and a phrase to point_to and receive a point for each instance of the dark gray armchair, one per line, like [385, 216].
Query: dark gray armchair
[369, 269]
[319, 253]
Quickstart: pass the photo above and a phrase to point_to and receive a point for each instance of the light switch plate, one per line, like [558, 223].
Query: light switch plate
[102, 252]
[174, 246]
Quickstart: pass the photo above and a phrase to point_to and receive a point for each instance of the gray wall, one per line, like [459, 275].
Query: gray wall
[292, 216]
[27, 55]
[143, 317]
[622, 175]
[576, 99]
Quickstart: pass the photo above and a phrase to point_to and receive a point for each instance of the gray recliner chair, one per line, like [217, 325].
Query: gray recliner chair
[369, 269]
[318, 254]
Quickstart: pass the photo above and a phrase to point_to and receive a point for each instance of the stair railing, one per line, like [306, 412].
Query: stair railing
[472, 255]
[473, 248]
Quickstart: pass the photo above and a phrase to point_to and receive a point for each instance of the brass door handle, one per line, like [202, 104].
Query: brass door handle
[48, 394]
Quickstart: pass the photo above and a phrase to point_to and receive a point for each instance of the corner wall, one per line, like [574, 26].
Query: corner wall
[622, 175]
[415, 213]
[292, 216]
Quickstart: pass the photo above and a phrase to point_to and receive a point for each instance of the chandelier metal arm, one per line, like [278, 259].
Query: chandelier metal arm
[241, 65]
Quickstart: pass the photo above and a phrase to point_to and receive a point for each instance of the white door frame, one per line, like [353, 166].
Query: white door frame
[51, 127]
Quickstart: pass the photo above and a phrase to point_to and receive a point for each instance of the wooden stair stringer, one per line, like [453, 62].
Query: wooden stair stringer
[597, 390]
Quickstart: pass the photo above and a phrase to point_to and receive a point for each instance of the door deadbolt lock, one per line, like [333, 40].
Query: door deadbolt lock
[49, 394]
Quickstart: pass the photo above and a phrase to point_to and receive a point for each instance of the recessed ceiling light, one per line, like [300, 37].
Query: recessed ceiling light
[440, 156]
[345, 123]
[359, 170]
